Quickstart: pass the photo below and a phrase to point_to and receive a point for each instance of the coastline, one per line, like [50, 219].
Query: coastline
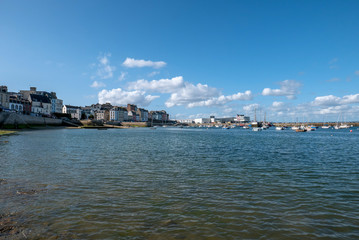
[6, 132]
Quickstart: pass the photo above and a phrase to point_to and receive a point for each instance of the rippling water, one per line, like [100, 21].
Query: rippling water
[181, 184]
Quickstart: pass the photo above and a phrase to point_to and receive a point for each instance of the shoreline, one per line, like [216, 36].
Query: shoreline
[6, 132]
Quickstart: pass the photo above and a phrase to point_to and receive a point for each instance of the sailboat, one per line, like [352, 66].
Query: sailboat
[342, 125]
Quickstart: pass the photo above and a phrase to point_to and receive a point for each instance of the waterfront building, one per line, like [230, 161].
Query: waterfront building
[103, 115]
[123, 114]
[96, 107]
[242, 119]
[40, 104]
[225, 120]
[132, 116]
[115, 114]
[131, 107]
[4, 97]
[15, 104]
[56, 104]
[74, 111]
[159, 115]
[106, 106]
[143, 114]
[188, 121]
[202, 120]
[88, 111]
[26, 106]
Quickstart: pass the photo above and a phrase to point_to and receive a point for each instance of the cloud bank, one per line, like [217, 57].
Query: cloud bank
[161, 86]
[122, 97]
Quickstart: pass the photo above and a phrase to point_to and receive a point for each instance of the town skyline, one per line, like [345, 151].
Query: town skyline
[290, 61]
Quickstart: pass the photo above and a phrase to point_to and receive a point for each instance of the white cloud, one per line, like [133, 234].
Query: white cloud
[162, 85]
[133, 63]
[190, 94]
[122, 76]
[251, 107]
[104, 69]
[336, 110]
[277, 104]
[121, 97]
[187, 94]
[221, 100]
[350, 99]
[97, 84]
[289, 88]
[331, 100]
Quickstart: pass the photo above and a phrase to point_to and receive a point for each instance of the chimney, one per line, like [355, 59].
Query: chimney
[33, 89]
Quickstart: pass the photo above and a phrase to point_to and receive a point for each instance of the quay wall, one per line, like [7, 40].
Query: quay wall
[136, 124]
[14, 120]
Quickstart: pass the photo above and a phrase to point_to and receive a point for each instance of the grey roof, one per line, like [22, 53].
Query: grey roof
[39, 98]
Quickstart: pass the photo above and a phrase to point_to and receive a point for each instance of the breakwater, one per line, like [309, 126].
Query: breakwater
[14, 120]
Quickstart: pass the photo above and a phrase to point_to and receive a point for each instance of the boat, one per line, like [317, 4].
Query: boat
[295, 128]
[279, 128]
[343, 126]
[256, 129]
[245, 127]
[301, 130]
[326, 127]
[265, 127]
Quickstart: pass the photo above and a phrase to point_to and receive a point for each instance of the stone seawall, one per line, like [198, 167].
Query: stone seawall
[136, 124]
[14, 120]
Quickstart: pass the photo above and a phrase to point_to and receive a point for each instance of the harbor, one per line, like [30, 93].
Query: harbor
[207, 184]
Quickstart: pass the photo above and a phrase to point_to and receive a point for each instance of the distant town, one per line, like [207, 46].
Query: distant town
[47, 104]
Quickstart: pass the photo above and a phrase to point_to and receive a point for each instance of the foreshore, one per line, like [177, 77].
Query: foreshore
[6, 132]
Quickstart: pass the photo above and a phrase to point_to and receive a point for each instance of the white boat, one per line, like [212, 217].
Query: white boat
[279, 128]
[343, 126]
[325, 127]
[309, 128]
[245, 127]
[295, 128]
[256, 129]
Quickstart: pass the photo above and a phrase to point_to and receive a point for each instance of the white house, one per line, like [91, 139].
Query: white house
[40, 104]
[73, 110]
[56, 105]
[202, 120]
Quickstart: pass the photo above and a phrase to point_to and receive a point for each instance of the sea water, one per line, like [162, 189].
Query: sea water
[180, 183]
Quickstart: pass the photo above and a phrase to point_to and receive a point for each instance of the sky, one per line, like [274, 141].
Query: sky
[289, 60]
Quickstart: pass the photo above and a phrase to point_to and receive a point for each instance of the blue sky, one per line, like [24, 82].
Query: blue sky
[290, 59]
